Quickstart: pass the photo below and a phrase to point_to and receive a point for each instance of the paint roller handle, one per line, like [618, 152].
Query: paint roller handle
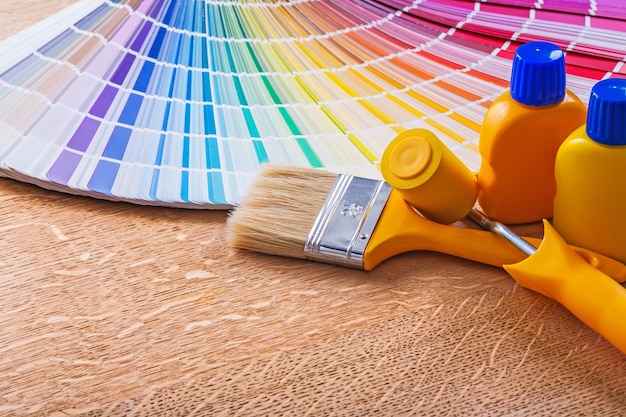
[558, 272]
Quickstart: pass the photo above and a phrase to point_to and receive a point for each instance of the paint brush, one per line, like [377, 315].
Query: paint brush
[347, 220]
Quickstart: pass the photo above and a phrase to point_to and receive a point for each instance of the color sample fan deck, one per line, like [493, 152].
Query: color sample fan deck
[179, 102]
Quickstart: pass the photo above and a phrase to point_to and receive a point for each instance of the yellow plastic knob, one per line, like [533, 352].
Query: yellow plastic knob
[410, 157]
[429, 176]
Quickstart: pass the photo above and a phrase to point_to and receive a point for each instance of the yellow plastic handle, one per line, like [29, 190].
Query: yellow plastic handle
[611, 267]
[557, 271]
[401, 229]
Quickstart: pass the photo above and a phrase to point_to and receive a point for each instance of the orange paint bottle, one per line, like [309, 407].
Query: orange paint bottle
[521, 134]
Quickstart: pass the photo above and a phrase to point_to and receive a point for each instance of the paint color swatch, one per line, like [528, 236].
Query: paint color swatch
[179, 102]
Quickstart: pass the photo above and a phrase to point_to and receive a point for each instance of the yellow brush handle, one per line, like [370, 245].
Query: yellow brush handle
[556, 271]
[400, 229]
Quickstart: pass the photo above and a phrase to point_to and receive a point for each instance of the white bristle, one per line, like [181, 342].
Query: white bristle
[279, 210]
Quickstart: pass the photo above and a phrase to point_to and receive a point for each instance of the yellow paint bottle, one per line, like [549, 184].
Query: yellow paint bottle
[590, 171]
[429, 176]
[521, 133]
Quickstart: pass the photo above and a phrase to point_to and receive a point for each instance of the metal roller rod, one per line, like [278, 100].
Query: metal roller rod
[502, 230]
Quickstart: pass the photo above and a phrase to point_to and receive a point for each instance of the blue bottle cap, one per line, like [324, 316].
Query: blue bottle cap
[538, 74]
[606, 116]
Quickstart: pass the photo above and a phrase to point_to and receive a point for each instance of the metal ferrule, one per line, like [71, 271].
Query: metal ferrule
[347, 220]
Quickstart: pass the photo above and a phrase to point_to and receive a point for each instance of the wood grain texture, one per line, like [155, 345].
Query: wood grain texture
[112, 309]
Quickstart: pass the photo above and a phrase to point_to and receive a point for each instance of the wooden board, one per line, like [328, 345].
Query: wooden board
[116, 309]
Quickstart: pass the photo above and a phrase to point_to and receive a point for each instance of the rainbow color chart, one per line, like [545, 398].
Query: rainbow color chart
[179, 102]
